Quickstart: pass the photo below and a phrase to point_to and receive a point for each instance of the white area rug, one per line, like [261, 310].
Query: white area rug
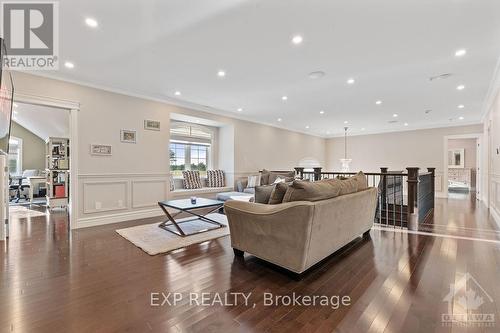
[154, 240]
[22, 212]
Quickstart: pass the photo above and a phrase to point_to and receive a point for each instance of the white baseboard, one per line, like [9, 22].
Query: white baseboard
[116, 218]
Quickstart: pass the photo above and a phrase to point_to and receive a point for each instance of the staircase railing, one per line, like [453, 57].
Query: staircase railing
[405, 198]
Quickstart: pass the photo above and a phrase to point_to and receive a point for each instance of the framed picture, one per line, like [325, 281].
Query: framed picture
[152, 125]
[456, 158]
[128, 136]
[101, 150]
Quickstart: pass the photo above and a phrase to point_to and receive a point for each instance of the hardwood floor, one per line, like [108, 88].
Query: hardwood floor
[93, 280]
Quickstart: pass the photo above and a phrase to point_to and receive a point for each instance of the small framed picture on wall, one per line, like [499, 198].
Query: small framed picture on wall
[152, 125]
[128, 136]
[100, 150]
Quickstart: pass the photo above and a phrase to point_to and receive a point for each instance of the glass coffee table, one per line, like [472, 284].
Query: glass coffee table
[190, 226]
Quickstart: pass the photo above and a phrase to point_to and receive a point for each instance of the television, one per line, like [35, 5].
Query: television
[6, 100]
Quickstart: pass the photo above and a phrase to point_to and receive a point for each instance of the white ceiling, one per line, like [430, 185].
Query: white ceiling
[42, 121]
[390, 47]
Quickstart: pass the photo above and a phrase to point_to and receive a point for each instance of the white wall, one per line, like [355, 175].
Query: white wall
[128, 184]
[470, 150]
[396, 150]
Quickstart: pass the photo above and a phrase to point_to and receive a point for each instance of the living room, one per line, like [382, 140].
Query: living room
[226, 163]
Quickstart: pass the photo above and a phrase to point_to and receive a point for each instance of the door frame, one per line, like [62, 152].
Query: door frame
[73, 108]
[479, 161]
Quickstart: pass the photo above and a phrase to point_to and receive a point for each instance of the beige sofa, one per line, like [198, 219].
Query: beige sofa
[296, 235]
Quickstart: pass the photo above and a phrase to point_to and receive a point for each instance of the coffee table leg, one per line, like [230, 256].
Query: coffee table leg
[172, 220]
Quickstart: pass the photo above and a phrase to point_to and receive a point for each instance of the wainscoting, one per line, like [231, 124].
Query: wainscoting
[112, 198]
[495, 197]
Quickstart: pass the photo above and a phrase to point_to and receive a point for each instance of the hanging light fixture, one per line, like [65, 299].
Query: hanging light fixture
[345, 162]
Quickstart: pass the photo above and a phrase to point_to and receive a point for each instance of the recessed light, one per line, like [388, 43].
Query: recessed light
[362, 128]
[15, 105]
[350, 81]
[284, 98]
[461, 87]
[240, 109]
[221, 73]
[461, 106]
[68, 64]
[15, 112]
[461, 118]
[307, 126]
[322, 112]
[279, 119]
[378, 102]
[395, 115]
[297, 39]
[346, 122]
[177, 93]
[460, 53]
[406, 124]
[91, 22]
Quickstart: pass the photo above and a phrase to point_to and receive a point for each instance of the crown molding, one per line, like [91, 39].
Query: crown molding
[223, 113]
[407, 129]
[170, 101]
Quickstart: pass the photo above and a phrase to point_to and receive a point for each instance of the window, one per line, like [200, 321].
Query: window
[190, 148]
[15, 156]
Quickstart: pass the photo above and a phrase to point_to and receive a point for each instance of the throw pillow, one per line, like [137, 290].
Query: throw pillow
[279, 179]
[278, 193]
[288, 174]
[172, 184]
[263, 193]
[191, 179]
[361, 180]
[264, 177]
[215, 178]
[312, 191]
[253, 181]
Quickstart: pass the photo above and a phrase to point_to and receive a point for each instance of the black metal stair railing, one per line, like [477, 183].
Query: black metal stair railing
[405, 198]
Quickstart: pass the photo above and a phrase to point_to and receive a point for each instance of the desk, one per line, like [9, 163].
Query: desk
[34, 181]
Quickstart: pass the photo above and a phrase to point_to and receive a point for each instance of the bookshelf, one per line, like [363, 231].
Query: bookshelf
[57, 170]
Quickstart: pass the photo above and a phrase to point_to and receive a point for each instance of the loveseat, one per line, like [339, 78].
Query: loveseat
[297, 234]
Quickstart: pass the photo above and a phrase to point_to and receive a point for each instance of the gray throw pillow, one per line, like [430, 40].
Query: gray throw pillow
[278, 193]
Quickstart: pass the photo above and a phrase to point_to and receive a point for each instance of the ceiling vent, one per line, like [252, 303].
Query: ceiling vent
[392, 121]
[316, 75]
[440, 77]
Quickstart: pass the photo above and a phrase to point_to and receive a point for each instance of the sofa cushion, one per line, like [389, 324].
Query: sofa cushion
[215, 178]
[278, 193]
[312, 191]
[191, 179]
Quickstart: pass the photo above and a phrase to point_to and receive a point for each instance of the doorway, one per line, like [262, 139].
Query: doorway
[463, 157]
[39, 161]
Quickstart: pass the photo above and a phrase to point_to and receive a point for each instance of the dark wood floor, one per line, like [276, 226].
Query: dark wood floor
[92, 280]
